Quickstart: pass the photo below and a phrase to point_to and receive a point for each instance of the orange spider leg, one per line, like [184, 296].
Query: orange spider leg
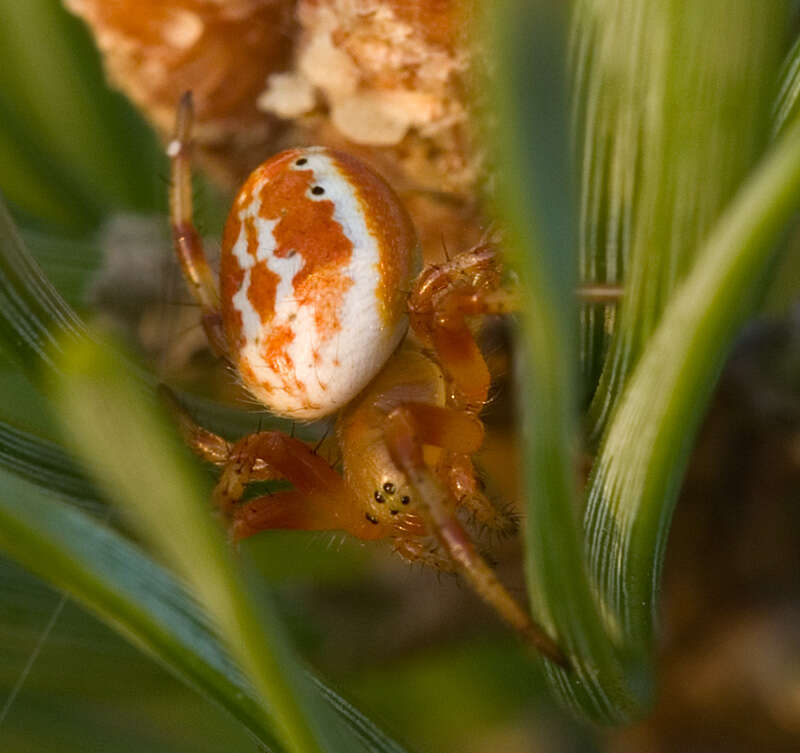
[437, 314]
[460, 435]
[425, 551]
[320, 500]
[405, 447]
[458, 474]
[467, 285]
[455, 344]
[453, 300]
[445, 427]
[188, 244]
[209, 446]
[285, 510]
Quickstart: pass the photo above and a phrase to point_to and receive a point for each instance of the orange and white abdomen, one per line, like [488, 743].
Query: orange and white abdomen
[317, 258]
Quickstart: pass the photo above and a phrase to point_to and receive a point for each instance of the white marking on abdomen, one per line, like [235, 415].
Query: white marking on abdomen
[352, 356]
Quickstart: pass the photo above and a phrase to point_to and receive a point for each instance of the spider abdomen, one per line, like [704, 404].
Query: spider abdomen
[317, 255]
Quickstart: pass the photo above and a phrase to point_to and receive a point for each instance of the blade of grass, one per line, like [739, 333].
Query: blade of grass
[535, 199]
[47, 465]
[611, 680]
[642, 458]
[673, 97]
[32, 314]
[114, 579]
[133, 451]
[126, 589]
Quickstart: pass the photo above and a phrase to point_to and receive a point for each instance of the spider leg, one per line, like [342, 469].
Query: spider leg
[424, 551]
[442, 298]
[319, 501]
[460, 434]
[285, 510]
[188, 245]
[457, 472]
[453, 430]
[468, 285]
[437, 507]
[209, 446]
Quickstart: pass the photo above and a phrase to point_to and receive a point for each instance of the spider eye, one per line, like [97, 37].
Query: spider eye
[405, 500]
[388, 487]
[302, 161]
[379, 497]
[371, 518]
[318, 190]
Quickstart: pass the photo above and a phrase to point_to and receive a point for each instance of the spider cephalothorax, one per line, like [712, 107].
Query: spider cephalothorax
[317, 260]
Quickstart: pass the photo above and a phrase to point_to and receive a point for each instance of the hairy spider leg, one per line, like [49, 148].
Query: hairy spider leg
[405, 445]
[468, 285]
[209, 446]
[188, 245]
[442, 300]
[440, 303]
[320, 499]
[426, 551]
[457, 473]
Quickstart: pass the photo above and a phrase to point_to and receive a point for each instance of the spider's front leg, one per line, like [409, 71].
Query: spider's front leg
[188, 245]
[440, 305]
[469, 284]
[442, 299]
[405, 437]
[319, 499]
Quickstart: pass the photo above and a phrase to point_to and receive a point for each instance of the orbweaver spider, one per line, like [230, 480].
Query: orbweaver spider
[311, 311]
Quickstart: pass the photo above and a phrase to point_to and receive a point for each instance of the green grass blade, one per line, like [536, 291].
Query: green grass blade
[535, 198]
[33, 316]
[42, 516]
[674, 98]
[787, 102]
[636, 480]
[145, 467]
[641, 462]
[128, 590]
[46, 464]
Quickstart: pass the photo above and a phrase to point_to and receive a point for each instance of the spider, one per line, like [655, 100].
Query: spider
[311, 312]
